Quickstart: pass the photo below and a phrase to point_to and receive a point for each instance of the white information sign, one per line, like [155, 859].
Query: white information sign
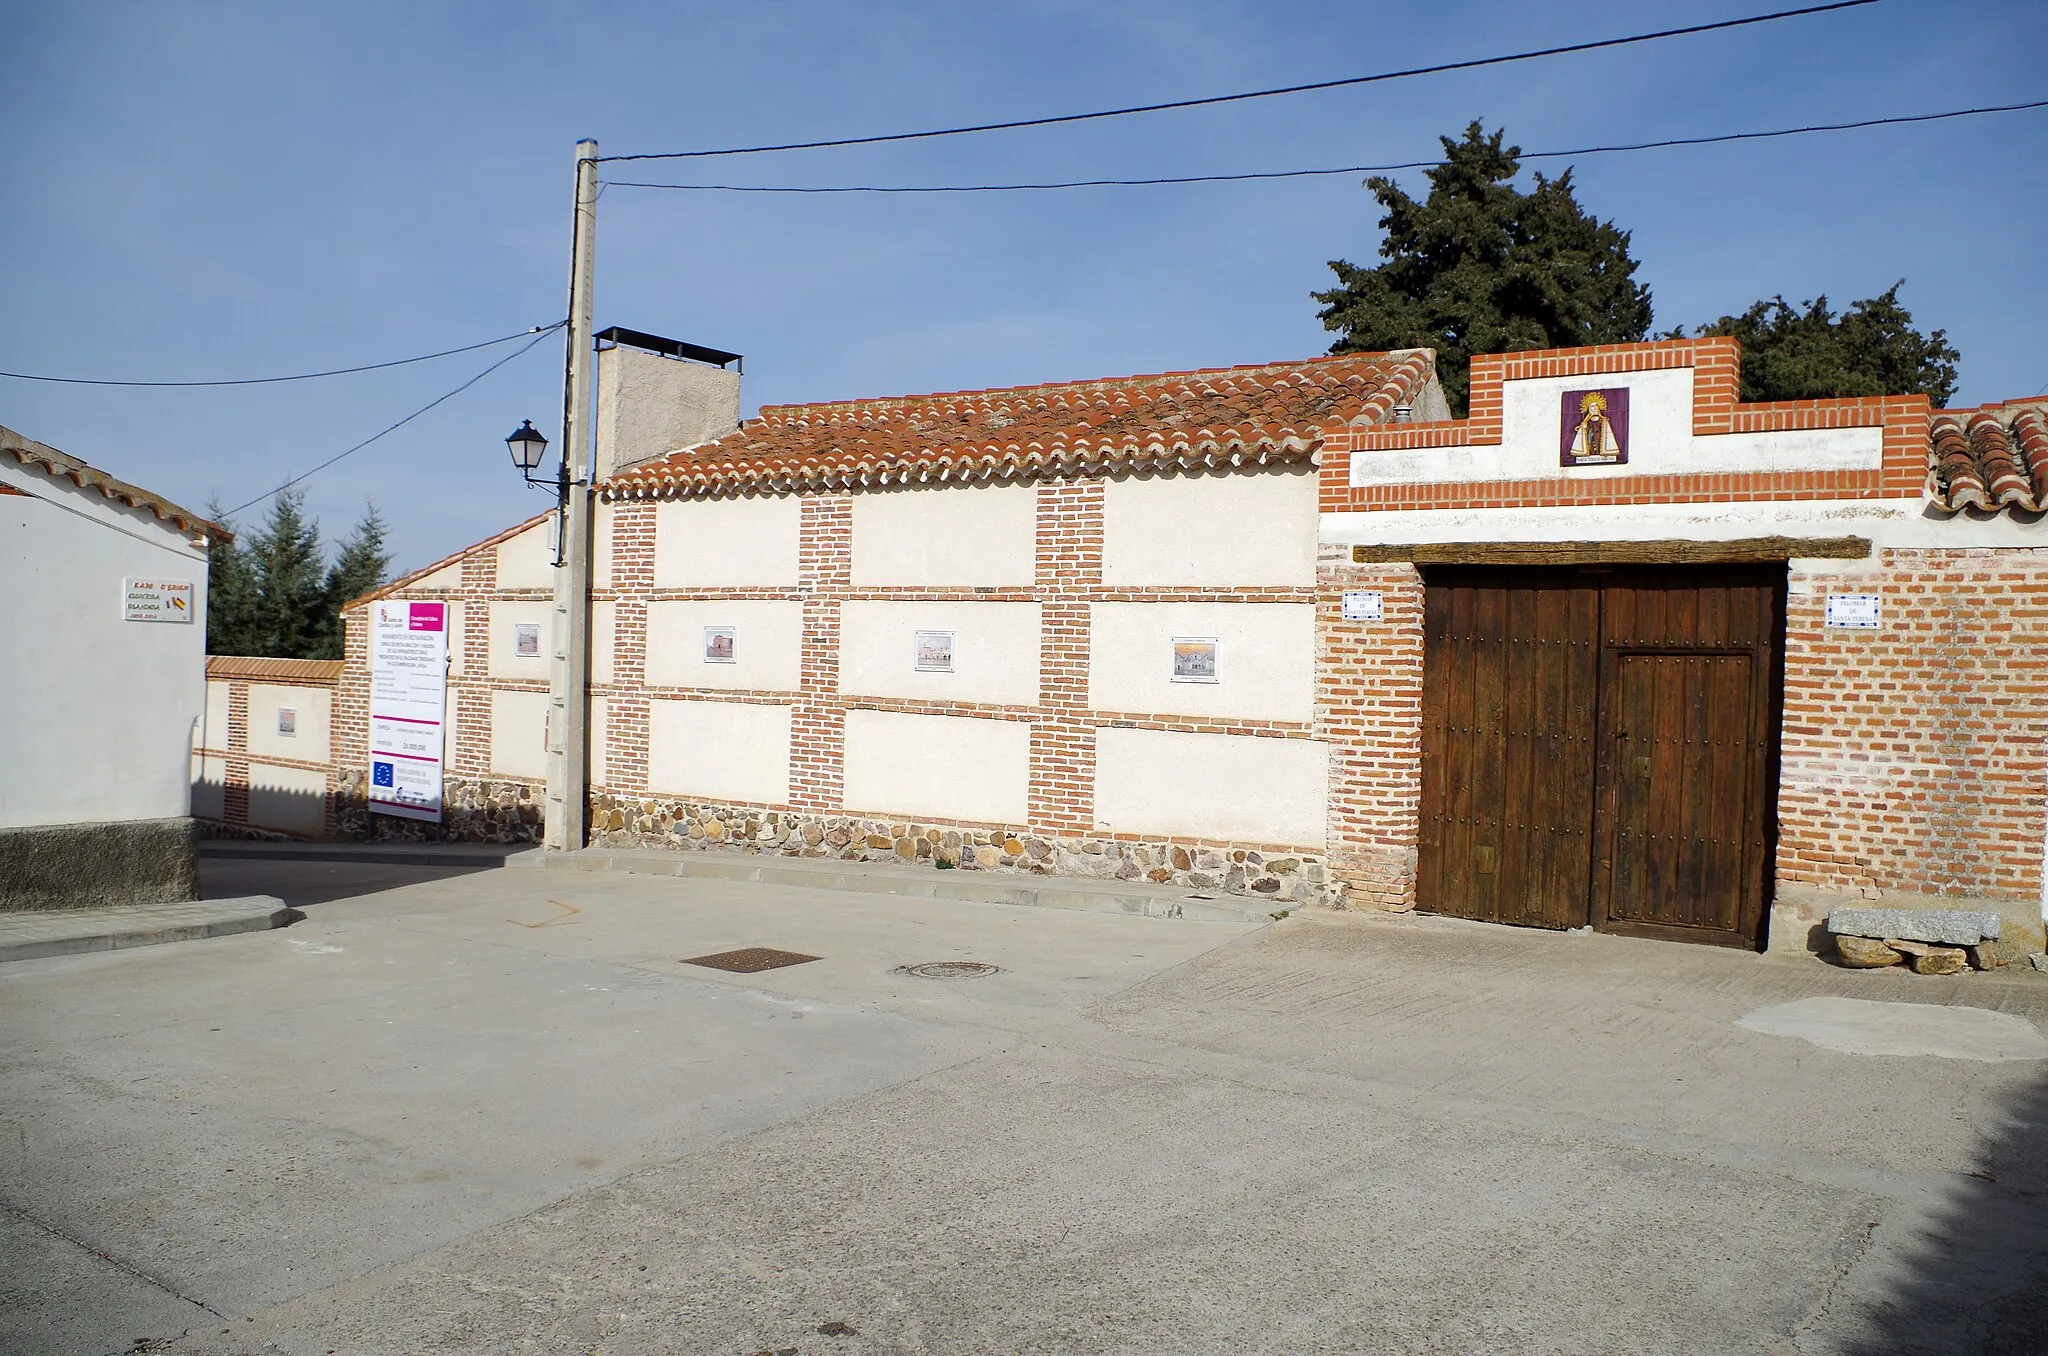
[1857, 610]
[408, 707]
[156, 600]
[1364, 606]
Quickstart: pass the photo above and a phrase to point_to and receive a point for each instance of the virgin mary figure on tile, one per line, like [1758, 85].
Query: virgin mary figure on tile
[1599, 437]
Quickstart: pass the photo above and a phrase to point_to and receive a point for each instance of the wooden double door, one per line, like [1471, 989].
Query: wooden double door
[1600, 746]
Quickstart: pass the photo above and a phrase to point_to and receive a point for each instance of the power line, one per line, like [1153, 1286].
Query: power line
[300, 376]
[537, 337]
[1344, 169]
[1439, 69]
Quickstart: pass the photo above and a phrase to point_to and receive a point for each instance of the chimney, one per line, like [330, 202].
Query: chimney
[656, 396]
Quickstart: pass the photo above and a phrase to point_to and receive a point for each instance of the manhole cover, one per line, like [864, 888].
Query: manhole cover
[749, 959]
[950, 970]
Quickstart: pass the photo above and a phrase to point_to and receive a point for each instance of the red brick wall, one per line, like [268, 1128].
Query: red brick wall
[1916, 755]
[1369, 710]
[1715, 410]
[1068, 569]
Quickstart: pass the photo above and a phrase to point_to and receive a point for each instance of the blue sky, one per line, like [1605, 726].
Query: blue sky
[212, 190]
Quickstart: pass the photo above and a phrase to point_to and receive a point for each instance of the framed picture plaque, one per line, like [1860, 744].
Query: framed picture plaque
[1194, 659]
[934, 651]
[721, 644]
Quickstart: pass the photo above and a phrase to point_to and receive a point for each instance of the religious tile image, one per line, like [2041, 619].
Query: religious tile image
[1194, 659]
[721, 644]
[934, 651]
[1595, 427]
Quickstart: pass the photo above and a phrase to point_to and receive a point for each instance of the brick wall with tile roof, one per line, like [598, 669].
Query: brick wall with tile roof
[1914, 755]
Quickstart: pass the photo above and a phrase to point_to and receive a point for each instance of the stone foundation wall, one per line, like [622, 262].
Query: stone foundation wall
[657, 822]
[473, 810]
[94, 866]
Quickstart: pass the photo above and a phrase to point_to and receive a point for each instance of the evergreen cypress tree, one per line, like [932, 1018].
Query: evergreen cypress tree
[1808, 353]
[1482, 267]
[230, 592]
[285, 562]
[358, 567]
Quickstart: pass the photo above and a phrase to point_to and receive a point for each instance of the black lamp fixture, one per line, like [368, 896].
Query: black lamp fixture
[527, 445]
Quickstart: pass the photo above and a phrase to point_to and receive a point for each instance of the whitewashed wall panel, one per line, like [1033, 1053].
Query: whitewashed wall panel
[995, 651]
[1236, 788]
[1265, 659]
[958, 536]
[952, 767]
[726, 543]
[718, 750]
[767, 655]
[1210, 531]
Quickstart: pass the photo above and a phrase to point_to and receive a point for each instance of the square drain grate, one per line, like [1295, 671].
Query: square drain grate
[749, 959]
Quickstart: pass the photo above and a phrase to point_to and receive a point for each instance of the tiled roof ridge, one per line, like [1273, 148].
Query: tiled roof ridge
[782, 413]
[225, 666]
[1989, 457]
[1261, 414]
[63, 465]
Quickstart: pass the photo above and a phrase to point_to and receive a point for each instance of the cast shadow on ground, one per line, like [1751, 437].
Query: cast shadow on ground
[1975, 1279]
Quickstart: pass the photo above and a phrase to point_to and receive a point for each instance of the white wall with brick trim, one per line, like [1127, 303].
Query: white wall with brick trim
[767, 644]
[1217, 531]
[955, 767]
[1661, 440]
[604, 639]
[505, 659]
[971, 536]
[519, 734]
[726, 543]
[719, 750]
[1265, 659]
[455, 619]
[289, 799]
[1886, 522]
[1236, 788]
[527, 561]
[311, 709]
[995, 651]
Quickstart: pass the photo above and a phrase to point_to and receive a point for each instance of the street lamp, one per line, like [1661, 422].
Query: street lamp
[528, 445]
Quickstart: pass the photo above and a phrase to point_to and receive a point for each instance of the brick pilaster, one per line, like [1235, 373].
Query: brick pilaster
[1369, 713]
[632, 578]
[817, 727]
[235, 773]
[1062, 794]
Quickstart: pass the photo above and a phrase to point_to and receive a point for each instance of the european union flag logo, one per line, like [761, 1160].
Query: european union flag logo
[380, 774]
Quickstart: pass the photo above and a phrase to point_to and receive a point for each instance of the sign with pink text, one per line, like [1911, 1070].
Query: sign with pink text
[408, 707]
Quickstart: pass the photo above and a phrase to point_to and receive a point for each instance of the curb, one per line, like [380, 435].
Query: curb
[256, 913]
[1055, 892]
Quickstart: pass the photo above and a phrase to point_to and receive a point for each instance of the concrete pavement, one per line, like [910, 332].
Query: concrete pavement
[496, 1114]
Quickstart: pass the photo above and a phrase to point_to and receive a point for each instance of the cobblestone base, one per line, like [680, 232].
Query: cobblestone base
[645, 822]
[474, 810]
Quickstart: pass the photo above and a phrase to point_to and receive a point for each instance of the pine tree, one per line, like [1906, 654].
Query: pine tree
[285, 561]
[230, 592]
[358, 568]
[1795, 353]
[1482, 267]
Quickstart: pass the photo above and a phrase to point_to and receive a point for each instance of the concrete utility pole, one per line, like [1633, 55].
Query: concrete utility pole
[568, 803]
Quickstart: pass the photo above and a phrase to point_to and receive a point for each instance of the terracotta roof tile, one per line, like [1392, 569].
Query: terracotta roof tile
[1990, 458]
[326, 672]
[49, 460]
[1228, 416]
